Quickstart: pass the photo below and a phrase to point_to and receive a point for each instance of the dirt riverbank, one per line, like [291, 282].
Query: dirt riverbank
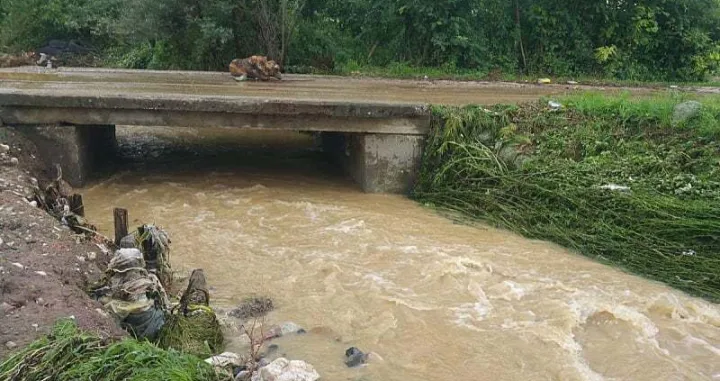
[44, 267]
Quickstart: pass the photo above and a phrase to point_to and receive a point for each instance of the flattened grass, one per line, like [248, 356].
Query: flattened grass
[609, 177]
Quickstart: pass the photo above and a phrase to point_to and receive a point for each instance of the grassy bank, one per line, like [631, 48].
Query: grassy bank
[69, 354]
[448, 72]
[612, 178]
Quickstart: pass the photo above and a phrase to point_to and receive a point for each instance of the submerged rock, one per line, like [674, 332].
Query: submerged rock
[283, 369]
[282, 330]
[252, 307]
[354, 357]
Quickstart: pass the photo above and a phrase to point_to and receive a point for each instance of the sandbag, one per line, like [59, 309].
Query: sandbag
[145, 325]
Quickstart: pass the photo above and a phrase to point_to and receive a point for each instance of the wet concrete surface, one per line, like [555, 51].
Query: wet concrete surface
[99, 82]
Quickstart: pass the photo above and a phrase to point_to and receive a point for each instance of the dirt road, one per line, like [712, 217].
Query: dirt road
[300, 87]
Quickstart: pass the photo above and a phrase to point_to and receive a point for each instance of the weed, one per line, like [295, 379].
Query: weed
[609, 177]
[69, 354]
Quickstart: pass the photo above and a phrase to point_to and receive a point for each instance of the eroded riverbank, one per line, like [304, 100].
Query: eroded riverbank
[43, 268]
[436, 300]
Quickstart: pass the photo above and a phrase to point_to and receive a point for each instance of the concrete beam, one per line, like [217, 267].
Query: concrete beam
[80, 150]
[379, 163]
[17, 115]
[49, 107]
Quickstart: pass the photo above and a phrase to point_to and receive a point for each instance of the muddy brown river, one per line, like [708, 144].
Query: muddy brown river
[262, 214]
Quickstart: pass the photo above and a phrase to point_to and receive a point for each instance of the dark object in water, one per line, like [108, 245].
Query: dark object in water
[253, 307]
[355, 357]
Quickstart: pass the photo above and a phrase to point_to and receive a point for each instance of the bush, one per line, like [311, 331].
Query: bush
[651, 40]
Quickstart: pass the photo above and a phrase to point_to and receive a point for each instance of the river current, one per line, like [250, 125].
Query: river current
[263, 215]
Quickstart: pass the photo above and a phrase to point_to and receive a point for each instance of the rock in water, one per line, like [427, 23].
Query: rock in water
[282, 330]
[283, 369]
[355, 357]
[253, 307]
[289, 327]
[685, 111]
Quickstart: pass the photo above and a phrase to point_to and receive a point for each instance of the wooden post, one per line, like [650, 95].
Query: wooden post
[76, 204]
[121, 224]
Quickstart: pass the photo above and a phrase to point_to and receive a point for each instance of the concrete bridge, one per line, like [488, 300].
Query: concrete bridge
[375, 128]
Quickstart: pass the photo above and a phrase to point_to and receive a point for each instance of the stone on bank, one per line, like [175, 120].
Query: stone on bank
[283, 369]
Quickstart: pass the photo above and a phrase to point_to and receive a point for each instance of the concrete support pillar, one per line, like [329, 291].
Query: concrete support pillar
[379, 163]
[80, 150]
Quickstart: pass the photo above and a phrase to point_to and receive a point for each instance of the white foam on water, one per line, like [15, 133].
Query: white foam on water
[238, 201]
[254, 188]
[585, 307]
[508, 290]
[313, 211]
[351, 226]
[408, 249]
[467, 314]
[413, 305]
[256, 210]
[695, 311]
[203, 214]
[692, 340]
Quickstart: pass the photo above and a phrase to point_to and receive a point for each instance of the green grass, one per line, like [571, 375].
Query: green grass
[70, 354]
[198, 333]
[449, 72]
[543, 173]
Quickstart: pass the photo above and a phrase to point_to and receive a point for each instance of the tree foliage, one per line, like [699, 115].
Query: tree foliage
[626, 39]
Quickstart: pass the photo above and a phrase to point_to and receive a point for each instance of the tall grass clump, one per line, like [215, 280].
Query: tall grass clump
[613, 178]
[69, 354]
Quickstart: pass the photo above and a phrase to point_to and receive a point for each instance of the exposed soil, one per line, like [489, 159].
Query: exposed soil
[44, 267]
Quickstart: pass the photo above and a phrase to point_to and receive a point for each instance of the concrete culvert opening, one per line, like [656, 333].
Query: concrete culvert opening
[374, 163]
[278, 156]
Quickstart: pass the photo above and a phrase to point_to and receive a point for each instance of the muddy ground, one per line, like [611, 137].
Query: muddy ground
[44, 267]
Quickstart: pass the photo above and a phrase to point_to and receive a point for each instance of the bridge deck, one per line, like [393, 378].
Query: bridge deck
[33, 95]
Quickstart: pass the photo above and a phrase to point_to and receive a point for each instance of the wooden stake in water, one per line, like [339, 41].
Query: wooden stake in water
[76, 204]
[121, 224]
